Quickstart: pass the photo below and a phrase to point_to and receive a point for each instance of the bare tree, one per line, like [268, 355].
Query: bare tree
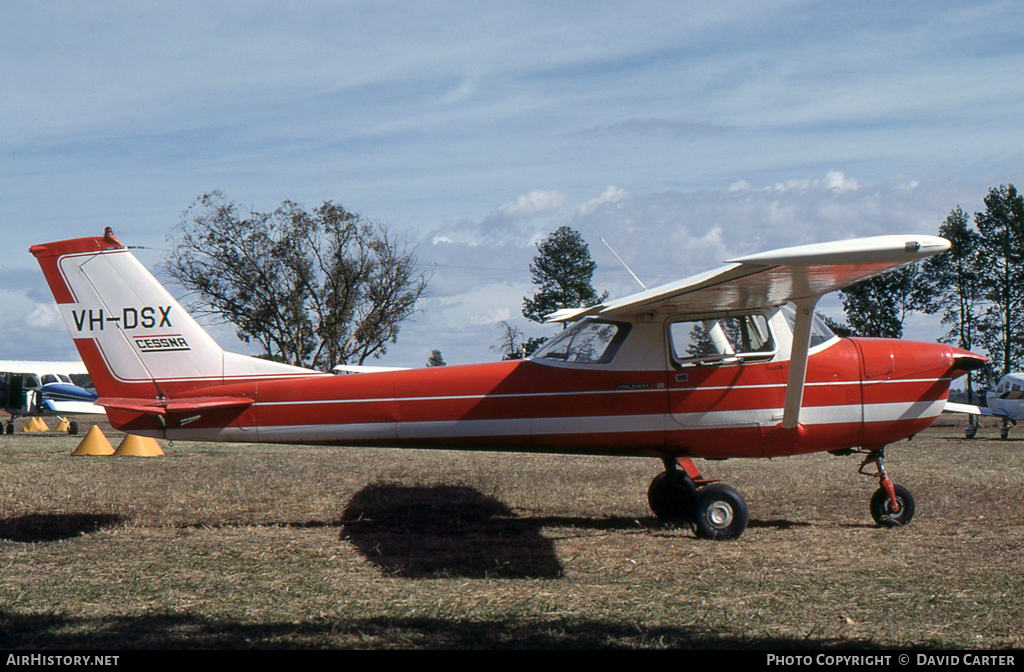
[511, 342]
[317, 288]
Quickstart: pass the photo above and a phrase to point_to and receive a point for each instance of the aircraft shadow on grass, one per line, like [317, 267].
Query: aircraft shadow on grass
[166, 631]
[39, 527]
[457, 531]
[445, 531]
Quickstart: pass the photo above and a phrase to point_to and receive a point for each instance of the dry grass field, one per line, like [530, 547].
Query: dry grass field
[220, 546]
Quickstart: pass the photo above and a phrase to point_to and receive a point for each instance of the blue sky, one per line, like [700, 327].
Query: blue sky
[684, 133]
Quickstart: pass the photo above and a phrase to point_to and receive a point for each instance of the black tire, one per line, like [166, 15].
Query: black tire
[720, 513]
[881, 509]
[73, 427]
[9, 429]
[970, 431]
[671, 497]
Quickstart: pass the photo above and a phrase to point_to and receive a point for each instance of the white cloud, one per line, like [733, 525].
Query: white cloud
[611, 194]
[43, 315]
[536, 202]
[836, 181]
[833, 180]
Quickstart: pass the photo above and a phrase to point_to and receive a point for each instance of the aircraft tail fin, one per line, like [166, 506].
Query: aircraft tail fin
[135, 339]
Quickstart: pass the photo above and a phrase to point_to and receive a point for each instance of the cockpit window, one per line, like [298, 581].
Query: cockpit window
[718, 339]
[820, 333]
[589, 342]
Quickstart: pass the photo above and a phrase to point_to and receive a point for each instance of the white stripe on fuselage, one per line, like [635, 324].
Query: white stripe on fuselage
[604, 424]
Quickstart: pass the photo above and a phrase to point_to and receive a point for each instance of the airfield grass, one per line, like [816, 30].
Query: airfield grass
[240, 546]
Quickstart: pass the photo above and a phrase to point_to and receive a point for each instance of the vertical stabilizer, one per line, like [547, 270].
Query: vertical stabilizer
[134, 337]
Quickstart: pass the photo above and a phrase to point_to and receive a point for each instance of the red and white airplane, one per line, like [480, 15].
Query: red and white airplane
[730, 363]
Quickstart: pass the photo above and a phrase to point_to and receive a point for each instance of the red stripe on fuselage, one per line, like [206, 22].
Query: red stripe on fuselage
[533, 397]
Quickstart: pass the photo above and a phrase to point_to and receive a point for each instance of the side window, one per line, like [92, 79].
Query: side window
[590, 342]
[720, 339]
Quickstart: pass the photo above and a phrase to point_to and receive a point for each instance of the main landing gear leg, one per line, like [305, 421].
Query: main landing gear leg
[891, 505]
[680, 495]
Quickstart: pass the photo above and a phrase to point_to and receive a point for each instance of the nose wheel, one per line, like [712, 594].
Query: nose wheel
[712, 510]
[892, 505]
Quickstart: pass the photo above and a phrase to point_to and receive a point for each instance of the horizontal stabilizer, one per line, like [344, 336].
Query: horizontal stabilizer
[361, 368]
[974, 410]
[163, 406]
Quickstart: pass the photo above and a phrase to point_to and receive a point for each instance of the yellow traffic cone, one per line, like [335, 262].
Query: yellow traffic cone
[140, 446]
[94, 443]
[35, 424]
[62, 426]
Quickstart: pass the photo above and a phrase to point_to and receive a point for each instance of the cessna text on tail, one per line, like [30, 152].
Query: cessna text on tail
[730, 363]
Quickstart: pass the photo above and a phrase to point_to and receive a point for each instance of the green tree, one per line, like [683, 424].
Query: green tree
[436, 359]
[316, 288]
[950, 284]
[562, 272]
[880, 305]
[1001, 227]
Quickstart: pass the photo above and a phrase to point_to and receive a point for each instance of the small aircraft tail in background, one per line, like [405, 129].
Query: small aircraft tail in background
[29, 388]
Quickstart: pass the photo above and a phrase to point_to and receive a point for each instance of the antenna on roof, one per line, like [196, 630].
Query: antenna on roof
[622, 262]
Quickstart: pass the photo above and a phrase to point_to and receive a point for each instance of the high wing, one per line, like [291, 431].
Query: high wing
[801, 275]
[36, 367]
[771, 278]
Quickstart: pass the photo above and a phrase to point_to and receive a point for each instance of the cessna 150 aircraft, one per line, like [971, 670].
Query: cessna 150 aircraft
[730, 363]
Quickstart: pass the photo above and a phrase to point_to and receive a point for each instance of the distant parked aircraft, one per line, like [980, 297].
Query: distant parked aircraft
[30, 388]
[1005, 400]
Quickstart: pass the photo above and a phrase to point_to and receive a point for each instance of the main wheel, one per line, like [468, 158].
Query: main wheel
[881, 508]
[719, 513]
[672, 496]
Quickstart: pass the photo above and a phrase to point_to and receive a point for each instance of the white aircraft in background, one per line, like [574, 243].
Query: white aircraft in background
[30, 388]
[1004, 400]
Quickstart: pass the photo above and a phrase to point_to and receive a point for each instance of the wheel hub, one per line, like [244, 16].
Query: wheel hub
[720, 515]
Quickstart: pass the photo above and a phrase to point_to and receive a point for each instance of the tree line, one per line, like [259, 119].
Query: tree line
[977, 287]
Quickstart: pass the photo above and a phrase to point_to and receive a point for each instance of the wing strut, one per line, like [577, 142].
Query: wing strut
[798, 360]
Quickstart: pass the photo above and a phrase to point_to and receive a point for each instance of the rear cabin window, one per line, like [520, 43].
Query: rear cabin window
[720, 339]
[590, 342]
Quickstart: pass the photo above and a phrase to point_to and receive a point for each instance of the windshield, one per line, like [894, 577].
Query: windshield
[820, 333]
[589, 342]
